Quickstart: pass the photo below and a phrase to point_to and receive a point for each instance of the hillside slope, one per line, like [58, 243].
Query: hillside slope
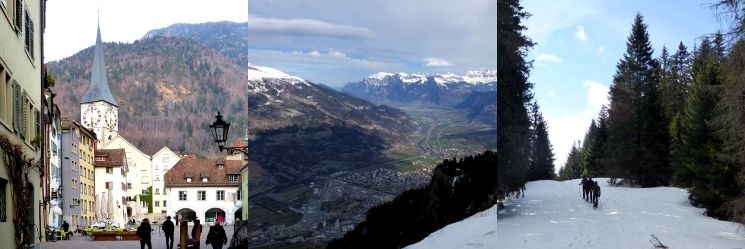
[230, 38]
[553, 215]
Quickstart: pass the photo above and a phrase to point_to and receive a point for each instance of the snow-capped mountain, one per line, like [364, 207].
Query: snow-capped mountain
[440, 88]
[282, 100]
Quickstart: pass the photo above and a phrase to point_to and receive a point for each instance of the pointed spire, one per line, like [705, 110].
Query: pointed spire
[99, 87]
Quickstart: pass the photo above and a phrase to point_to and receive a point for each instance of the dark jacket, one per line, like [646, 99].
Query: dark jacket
[65, 227]
[168, 228]
[216, 235]
[144, 231]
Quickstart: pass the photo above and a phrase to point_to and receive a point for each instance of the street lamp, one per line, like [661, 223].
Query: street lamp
[220, 130]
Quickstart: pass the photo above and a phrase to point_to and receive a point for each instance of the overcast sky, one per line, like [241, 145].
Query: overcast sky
[338, 41]
[71, 24]
[579, 43]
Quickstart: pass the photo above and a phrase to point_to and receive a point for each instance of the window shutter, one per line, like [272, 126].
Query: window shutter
[24, 116]
[29, 35]
[38, 126]
[19, 15]
[17, 107]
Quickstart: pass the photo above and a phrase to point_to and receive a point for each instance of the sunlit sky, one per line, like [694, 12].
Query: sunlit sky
[579, 44]
[325, 41]
[71, 24]
[337, 41]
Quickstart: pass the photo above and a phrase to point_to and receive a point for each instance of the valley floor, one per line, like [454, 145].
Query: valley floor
[553, 215]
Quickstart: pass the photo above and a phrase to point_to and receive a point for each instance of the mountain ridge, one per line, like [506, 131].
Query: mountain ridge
[446, 89]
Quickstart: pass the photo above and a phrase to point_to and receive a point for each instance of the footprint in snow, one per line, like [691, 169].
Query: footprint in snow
[489, 233]
[477, 244]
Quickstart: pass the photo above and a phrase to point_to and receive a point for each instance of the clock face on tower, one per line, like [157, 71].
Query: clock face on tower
[91, 116]
[110, 117]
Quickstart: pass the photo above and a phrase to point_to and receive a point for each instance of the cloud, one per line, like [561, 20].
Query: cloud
[330, 54]
[436, 62]
[601, 49]
[580, 34]
[306, 27]
[565, 130]
[548, 57]
[560, 15]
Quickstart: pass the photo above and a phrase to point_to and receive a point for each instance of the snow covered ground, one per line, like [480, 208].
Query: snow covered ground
[553, 215]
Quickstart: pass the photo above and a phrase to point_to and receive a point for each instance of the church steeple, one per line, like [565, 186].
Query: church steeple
[98, 108]
[99, 87]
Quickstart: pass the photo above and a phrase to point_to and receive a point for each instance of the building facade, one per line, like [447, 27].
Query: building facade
[204, 189]
[68, 192]
[54, 151]
[162, 161]
[111, 189]
[87, 199]
[139, 175]
[20, 105]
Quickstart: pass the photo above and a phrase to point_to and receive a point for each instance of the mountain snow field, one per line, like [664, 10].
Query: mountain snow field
[553, 215]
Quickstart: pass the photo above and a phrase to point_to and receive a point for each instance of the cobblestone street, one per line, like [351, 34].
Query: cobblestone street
[158, 240]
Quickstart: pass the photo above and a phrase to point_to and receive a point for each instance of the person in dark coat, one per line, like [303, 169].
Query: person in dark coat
[168, 231]
[216, 236]
[587, 187]
[584, 187]
[144, 233]
[66, 229]
[595, 194]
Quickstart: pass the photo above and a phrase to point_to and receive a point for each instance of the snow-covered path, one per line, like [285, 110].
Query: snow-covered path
[553, 215]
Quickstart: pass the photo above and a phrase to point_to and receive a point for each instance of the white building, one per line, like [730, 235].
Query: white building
[54, 129]
[204, 189]
[111, 189]
[162, 161]
[139, 176]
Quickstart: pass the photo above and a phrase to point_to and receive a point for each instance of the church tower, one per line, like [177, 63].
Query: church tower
[98, 109]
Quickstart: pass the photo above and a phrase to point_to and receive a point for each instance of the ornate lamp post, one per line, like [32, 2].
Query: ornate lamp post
[220, 130]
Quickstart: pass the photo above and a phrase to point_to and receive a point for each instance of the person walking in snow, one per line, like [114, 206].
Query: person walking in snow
[595, 194]
[584, 187]
[588, 189]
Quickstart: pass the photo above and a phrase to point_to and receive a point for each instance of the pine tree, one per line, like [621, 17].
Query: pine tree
[638, 143]
[699, 148]
[573, 167]
[513, 94]
[542, 156]
[675, 80]
[592, 151]
[731, 120]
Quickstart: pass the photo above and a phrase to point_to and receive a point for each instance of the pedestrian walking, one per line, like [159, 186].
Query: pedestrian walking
[168, 231]
[144, 233]
[216, 236]
[596, 194]
[584, 188]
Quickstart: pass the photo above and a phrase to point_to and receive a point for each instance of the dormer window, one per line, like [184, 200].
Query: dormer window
[204, 179]
[188, 179]
[233, 177]
[220, 166]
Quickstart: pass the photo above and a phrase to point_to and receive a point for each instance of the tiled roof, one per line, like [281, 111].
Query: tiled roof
[67, 124]
[111, 158]
[198, 168]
